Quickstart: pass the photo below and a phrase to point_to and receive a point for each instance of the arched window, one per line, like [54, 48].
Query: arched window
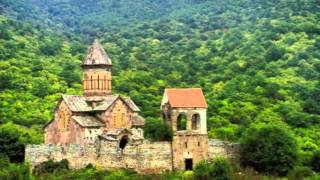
[182, 122]
[195, 121]
[123, 142]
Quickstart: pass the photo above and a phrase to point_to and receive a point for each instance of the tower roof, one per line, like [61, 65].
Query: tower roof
[186, 97]
[97, 55]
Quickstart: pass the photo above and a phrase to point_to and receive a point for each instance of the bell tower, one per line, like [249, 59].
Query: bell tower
[185, 110]
[96, 72]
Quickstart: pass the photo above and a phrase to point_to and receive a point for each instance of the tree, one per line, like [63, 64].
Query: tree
[274, 53]
[269, 148]
[315, 161]
[157, 130]
[10, 145]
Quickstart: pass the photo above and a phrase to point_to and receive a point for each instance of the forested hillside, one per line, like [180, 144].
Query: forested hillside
[257, 61]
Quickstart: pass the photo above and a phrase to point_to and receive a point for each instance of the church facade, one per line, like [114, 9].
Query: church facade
[105, 129]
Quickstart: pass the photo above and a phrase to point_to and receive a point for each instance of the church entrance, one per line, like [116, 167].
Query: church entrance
[123, 142]
[188, 164]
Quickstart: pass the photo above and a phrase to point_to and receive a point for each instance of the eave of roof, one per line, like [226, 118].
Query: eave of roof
[88, 121]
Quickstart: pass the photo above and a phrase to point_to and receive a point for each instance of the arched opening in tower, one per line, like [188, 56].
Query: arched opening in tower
[195, 121]
[182, 122]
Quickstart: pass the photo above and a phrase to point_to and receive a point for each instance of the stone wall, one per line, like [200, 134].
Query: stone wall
[218, 148]
[143, 157]
[149, 157]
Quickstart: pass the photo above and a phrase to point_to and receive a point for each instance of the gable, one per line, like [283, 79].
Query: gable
[62, 114]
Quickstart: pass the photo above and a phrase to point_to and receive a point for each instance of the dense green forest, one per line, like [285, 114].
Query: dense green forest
[257, 61]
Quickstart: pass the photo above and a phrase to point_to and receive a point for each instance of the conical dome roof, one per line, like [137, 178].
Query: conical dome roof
[97, 56]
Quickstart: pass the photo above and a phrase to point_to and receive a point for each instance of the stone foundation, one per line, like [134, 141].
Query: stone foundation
[143, 157]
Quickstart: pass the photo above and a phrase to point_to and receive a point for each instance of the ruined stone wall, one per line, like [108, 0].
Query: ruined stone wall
[148, 157]
[218, 148]
[145, 157]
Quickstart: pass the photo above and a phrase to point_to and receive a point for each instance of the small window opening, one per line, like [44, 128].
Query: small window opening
[186, 144]
[98, 82]
[199, 144]
[91, 83]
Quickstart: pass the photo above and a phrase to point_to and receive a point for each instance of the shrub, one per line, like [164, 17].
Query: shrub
[219, 169]
[315, 161]
[202, 170]
[15, 171]
[300, 173]
[269, 148]
[51, 166]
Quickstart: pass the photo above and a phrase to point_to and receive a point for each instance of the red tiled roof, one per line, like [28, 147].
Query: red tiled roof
[186, 97]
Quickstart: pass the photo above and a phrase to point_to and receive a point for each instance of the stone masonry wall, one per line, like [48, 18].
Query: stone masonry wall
[144, 157]
[218, 148]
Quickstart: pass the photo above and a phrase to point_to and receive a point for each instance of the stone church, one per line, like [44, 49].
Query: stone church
[105, 129]
[98, 113]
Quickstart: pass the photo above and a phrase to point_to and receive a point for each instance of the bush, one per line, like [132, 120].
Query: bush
[51, 166]
[269, 148]
[15, 171]
[11, 146]
[202, 170]
[315, 161]
[219, 169]
[157, 130]
[300, 173]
